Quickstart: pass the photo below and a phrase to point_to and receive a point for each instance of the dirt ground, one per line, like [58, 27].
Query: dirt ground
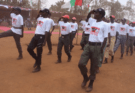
[17, 77]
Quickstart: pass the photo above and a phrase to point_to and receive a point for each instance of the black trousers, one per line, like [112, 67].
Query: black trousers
[36, 42]
[72, 36]
[63, 40]
[16, 38]
[49, 43]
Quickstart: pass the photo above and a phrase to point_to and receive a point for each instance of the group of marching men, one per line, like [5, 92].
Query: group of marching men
[98, 34]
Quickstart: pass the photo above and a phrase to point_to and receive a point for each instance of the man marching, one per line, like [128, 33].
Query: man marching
[50, 24]
[38, 40]
[131, 38]
[17, 29]
[94, 48]
[112, 30]
[74, 28]
[121, 38]
[65, 28]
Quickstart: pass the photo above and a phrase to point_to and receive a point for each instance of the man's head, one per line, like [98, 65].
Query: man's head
[112, 18]
[16, 10]
[45, 12]
[123, 21]
[73, 19]
[133, 24]
[99, 13]
[65, 18]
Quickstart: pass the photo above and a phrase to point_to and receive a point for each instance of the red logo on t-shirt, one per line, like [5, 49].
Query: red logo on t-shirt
[95, 31]
[64, 28]
[122, 29]
[112, 28]
[14, 20]
[72, 26]
[40, 23]
[131, 30]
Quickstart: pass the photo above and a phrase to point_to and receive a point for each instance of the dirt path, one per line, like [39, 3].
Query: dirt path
[17, 77]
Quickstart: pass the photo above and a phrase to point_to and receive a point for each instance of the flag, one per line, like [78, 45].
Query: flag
[30, 2]
[78, 2]
[72, 3]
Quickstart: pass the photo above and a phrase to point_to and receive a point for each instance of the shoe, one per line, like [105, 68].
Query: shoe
[105, 61]
[84, 82]
[69, 59]
[36, 69]
[89, 89]
[131, 54]
[59, 61]
[126, 54]
[49, 53]
[20, 57]
[35, 65]
[121, 56]
[112, 59]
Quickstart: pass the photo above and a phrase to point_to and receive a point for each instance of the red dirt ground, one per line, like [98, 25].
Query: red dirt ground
[17, 77]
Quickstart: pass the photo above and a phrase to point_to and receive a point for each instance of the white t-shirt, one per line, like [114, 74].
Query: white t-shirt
[122, 29]
[87, 28]
[17, 21]
[65, 27]
[98, 32]
[41, 26]
[113, 29]
[131, 31]
[49, 24]
[83, 24]
[91, 20]
[74, 26]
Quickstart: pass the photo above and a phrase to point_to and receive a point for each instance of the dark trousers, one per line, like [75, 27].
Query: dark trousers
[37, 41]
[93, 53]
[49, 43]
[130, 44]
[63, 40]
[16, 38]
[72, 38]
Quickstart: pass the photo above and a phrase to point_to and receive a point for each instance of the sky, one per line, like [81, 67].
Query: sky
[50, 2]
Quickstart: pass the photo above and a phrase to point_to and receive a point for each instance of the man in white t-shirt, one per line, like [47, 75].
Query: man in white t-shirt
[74, 28]
[38, 40]
[122, 37]
[94, 48]
[130, 42]
[50, 24]
[17, 29]
[65, 28]
[112, 30]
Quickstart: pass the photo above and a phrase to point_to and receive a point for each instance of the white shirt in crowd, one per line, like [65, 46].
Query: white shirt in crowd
[83, 24]
[74, 26]
[17, 21]
[131, 31]
[98, 32]
[123, 29]
[65, 27]
[87, 28]
[91, 20]
[113, 28]
[41, 26]
[50, 24]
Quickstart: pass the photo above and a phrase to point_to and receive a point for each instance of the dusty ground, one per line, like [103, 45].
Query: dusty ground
[17, 77]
